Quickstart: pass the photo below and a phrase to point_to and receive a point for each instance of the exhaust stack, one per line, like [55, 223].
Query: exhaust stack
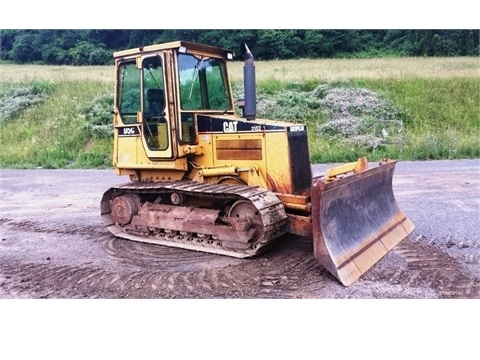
[250, 93]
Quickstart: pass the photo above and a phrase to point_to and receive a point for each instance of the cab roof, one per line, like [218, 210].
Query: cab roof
[189, 46]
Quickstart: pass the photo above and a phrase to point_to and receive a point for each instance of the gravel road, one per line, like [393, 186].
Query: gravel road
[53, 245]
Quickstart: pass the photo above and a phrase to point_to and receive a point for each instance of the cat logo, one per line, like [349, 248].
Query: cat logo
[230, 126]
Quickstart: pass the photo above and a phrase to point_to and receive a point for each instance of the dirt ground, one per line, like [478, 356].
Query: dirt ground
[53, 245]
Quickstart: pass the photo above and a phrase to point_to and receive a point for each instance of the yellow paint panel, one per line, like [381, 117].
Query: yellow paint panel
[278, 163]
[126, 151]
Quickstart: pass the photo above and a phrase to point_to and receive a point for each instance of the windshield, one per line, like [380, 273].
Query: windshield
[203, 84]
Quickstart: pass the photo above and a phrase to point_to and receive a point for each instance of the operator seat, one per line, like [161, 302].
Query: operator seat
[156, 102]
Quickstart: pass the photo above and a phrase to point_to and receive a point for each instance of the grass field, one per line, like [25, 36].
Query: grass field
[346, 69]
[433, 108]
[281, 70]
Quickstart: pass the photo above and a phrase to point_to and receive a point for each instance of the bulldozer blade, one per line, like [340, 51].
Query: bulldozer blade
[356, 221]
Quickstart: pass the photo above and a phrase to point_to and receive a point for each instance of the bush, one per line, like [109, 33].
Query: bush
[98, 117]
[21, 97]
[359, 117]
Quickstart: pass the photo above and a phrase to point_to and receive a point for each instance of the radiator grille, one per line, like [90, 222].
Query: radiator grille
[299, 161]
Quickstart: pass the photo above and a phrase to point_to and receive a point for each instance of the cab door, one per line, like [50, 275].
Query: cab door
[155, 127]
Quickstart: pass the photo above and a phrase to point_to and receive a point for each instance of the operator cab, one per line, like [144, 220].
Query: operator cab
[160, 89]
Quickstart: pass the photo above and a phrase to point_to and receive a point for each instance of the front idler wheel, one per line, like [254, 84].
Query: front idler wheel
[124, 208]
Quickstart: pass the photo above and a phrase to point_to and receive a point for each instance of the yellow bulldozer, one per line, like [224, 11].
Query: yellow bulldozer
[206, 174]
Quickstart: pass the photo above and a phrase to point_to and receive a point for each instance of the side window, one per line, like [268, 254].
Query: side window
[128, 91]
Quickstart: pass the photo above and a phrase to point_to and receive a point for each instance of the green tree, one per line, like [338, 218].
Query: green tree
[85, 53]
[54, 55]
[316, 45]
[271, 45]
[25, 48]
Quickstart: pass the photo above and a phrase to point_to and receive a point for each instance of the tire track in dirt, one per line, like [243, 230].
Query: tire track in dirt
[274, 273]
[152, 271]
[156, 257]
[428, 266]
[37, 227]
[288, 270]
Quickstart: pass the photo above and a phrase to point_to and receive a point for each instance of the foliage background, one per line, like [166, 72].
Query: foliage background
[404, 94]
[95, 46]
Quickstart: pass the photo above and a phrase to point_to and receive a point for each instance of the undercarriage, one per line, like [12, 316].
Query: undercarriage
[234, 220]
